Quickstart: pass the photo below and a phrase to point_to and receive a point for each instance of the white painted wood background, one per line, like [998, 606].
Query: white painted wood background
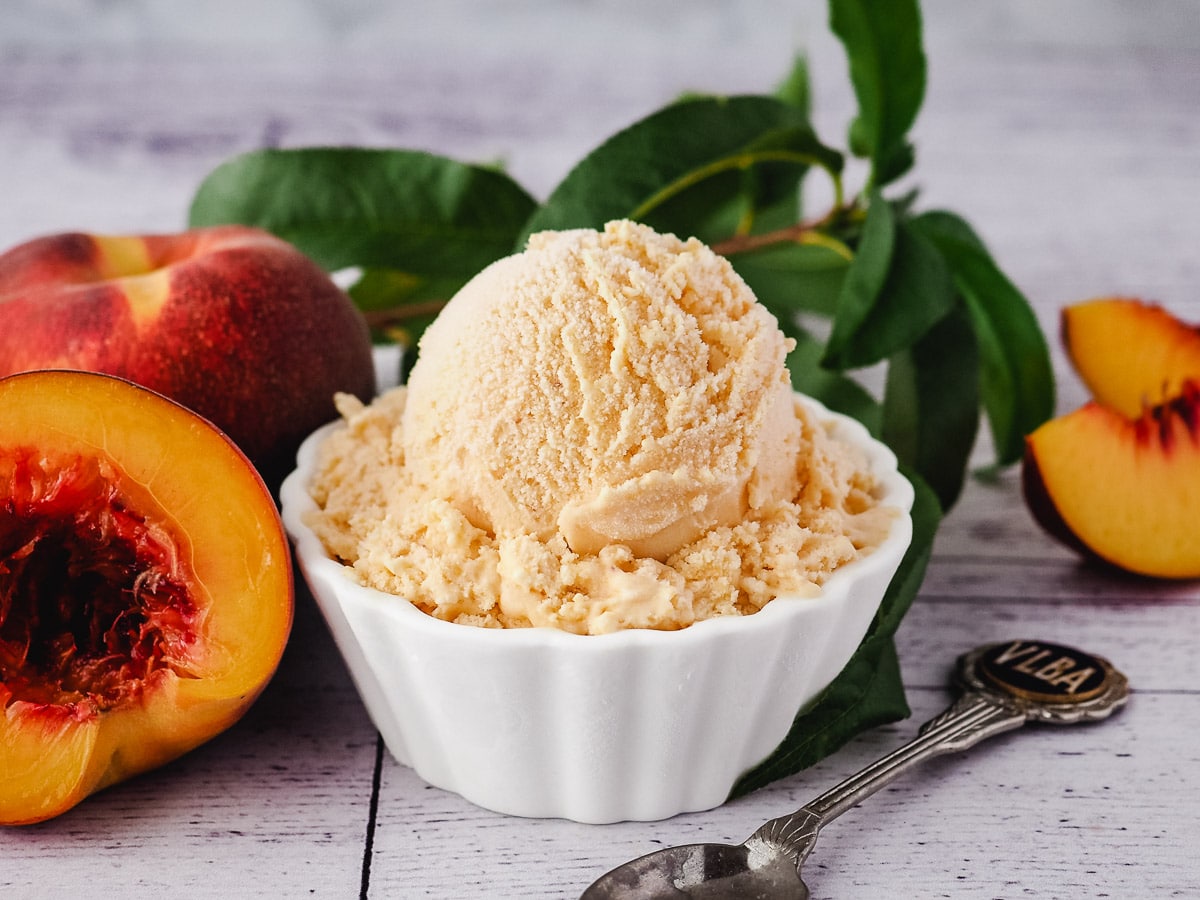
[1067, 131]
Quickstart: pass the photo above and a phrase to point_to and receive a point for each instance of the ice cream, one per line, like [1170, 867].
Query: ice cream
[619, 387]
[599, 433]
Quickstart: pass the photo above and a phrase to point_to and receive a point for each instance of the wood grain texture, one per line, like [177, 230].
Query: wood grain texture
[1068, 136]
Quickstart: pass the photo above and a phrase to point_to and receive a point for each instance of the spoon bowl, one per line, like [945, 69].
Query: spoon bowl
[710, 871]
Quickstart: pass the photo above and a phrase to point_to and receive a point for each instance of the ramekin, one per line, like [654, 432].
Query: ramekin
[634, 725]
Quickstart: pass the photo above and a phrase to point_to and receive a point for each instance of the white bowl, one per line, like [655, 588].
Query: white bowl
[634, 725]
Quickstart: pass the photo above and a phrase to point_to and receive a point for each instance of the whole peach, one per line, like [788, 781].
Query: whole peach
[229, 321]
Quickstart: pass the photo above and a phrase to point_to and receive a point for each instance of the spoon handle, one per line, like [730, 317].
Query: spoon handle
[970, 719]
[1005, 686]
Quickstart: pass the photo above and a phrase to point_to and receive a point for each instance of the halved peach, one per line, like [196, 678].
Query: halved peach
[145, 586]
[1124, 490]
[1130, 354]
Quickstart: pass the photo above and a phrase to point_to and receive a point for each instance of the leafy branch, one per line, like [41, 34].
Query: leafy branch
[872, 281]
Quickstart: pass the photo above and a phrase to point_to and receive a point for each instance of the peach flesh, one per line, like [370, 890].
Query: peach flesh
[1120, 490]
[1131, 354]
[135, 501]
[94, 597]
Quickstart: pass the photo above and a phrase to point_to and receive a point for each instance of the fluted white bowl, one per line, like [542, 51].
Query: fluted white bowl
[634, 725]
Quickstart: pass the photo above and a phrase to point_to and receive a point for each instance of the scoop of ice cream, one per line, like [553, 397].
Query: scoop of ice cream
[617, 387]
[599, 434]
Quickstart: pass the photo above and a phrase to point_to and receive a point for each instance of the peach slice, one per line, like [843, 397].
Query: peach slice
[1129, 353]
[1124, 490]
[145, 586]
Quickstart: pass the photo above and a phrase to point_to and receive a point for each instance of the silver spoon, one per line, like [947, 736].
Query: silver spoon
[1004, 686]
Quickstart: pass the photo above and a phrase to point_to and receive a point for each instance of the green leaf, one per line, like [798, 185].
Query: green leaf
[1016, 377]
[396, 209]
[795, 90]
[689, 145]
[882, 39]
[872, 321]
[837, 391]
[867, 274]
[737, 201]
[895, 164]
[868, 691]
[399, 306]
[931, 404]
[788, 277]
[773, 191]
[796, 87]
[381, 290]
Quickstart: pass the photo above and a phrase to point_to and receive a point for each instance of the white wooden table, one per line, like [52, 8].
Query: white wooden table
[1069, 135]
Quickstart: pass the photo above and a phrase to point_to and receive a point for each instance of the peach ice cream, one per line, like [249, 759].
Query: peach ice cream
[599, 433]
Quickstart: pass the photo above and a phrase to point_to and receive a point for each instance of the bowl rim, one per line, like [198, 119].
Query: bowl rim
[895, 491]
